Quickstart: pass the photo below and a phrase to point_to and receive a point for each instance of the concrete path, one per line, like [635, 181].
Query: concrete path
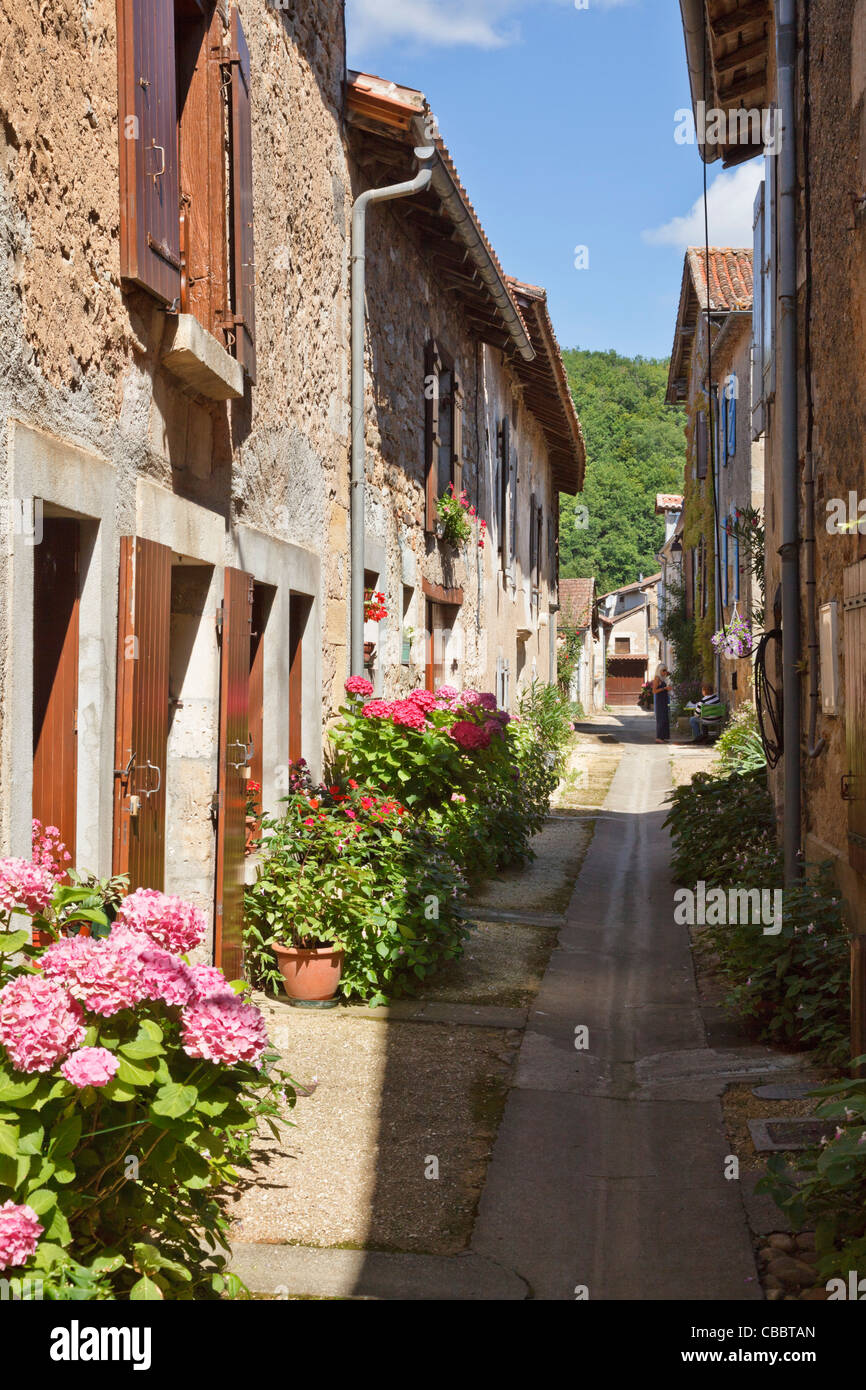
[607, 1177]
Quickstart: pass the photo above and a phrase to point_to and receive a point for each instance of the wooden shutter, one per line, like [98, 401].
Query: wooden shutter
[201, 149]
[757, 349]
[298, 609]
[234, 732]
[147, 126]
[502, 501]
[243, 248]
[432, 370]
[701, 441]
[141, 731]
[855, 712]
[457, 435]
[533, 542]
[55, 676]
[512, 508]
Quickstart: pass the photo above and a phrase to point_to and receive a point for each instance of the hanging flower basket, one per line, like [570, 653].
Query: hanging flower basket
[735, 640]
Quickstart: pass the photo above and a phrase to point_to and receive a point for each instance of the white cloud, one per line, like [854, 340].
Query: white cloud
[447, 23]
[730, 204]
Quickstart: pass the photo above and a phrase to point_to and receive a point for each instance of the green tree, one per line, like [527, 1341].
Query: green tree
[635, 448]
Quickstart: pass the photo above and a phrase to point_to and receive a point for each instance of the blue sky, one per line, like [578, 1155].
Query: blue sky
[561, 122]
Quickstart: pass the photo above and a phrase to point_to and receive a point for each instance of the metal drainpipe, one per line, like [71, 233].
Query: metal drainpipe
[786, 399]
[425, 155]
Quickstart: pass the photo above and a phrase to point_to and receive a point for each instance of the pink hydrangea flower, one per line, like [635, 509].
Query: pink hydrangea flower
[470, 699]
[19, 1234]
[39, 1023]
[470, 737]
[424, 699]
[495, 728]
[170, 922]
[208, 982]
[446, 692]
[104, 976]
[409, 715]
[487, 700]
[90, 1066]
[358, 685]
[165, 977]
[377, 709]
[225, 1030]
[25, 885]
[49, 851]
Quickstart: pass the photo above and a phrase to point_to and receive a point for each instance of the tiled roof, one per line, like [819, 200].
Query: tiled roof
[546, 381]
[730, 276]
[668, 502]
[630, 588]
[575, 601]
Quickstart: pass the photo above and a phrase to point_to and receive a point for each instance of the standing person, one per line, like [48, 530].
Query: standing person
[662, 704]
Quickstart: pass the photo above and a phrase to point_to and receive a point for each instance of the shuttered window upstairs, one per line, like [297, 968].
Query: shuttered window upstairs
[184, 92]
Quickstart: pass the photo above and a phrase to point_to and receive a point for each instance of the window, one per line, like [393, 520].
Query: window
[731, 393]
[622, 645]
[507, 508]
[181, 238]
[443, 442]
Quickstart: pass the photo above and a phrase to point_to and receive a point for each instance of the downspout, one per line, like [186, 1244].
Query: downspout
[786, 58]
[425, 155]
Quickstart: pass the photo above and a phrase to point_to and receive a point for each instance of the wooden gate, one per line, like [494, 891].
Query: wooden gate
[235, 628]
[625, 679]
[55, 676]
[141, 737]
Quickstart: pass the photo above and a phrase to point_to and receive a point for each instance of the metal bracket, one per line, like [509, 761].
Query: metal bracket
[124, 772]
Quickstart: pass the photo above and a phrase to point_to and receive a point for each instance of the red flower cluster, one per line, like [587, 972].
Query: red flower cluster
[411, 713]
[374, 607]
[471, 737]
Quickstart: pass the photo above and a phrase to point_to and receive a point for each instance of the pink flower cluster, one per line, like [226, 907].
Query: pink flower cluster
[24, 885]
[49, 851]
[39, 1023]
[470, 737]
[104, 976]
[169, 922]
[90, 1066]
[19, 1233]
[358, 685]
[410, 713]
[224, 1029]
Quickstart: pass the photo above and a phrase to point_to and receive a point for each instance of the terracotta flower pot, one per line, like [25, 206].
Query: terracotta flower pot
[311, 974]
[251, 834]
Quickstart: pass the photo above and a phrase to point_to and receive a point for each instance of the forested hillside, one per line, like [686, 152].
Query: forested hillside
[635, 448]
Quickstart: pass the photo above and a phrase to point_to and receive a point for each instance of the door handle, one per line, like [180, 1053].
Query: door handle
[151, 767]
[159, 172]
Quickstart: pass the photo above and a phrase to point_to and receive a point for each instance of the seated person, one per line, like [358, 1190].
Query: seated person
[708, 697]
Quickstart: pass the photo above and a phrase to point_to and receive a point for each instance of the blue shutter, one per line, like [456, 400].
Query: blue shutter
[726, 405]
[737, 568]
[725, 562]
[732, 427]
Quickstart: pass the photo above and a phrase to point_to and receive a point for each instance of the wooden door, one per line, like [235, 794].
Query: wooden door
[141, 727]
[855, 712]
[298, 608]
[234, 731]
[55, 676]
[257, 681]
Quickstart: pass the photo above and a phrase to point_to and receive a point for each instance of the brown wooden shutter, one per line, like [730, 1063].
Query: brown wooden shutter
[533, 535]
[243, 247]
[855, 711]
[141, 731]
[298, 610]
[457, 435]
[147, 126]
[432, 369]
[55, 676]
[234, 732]
[201, 151]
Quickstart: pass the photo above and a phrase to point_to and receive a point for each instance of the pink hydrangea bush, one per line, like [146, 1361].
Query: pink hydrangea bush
[118, 1048]
[25, 887]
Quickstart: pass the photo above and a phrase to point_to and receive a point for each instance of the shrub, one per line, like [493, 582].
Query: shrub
[351, 867]
[719, 823]
[130, 1084]
[827, 1189]
[739, 747]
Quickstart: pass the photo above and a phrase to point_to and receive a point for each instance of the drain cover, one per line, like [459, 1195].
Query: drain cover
[776, 1135]
[793, 1090]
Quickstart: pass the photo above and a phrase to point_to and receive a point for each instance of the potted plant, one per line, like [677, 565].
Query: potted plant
[735, 640]
[456, 515]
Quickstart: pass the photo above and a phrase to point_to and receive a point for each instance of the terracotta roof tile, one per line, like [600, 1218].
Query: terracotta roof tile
[730, 277]
[576, 600]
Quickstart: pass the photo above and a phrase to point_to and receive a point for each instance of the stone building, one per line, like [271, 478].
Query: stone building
[178, 180]
[669, 506]
[633, 650]
[710, 372]
[806, 66]
[579, 613]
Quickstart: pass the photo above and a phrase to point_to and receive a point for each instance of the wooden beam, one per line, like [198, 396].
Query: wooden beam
[755, 82]
[738, 57]
[739, 19]
[439, 594]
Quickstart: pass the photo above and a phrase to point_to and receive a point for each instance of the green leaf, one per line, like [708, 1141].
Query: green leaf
[174, 1100]
[142, 1049]
[146, 1291]
[65, 1137]
[42, 1200]
[9, 1140]
[138, 1073]
[32, 1135]
[10, 942]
